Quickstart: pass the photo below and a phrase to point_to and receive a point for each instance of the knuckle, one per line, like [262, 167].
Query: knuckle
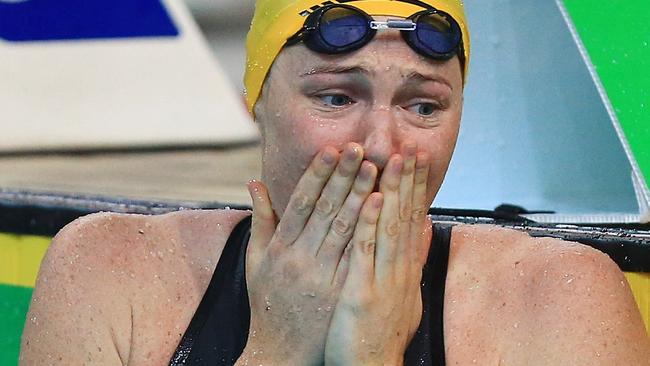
[341, 227]
[420, 178]
[405, 213]
[324, 207]
[367, 246]
[392, 229]
[301, 203]
[418, 214]
[360, 189]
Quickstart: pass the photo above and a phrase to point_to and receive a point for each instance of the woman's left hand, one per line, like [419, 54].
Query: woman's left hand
[380, 306]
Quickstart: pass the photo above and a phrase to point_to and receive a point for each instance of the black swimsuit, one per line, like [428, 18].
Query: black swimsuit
[218, 331]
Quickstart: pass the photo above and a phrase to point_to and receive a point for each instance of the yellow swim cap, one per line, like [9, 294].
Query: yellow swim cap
[277, 20]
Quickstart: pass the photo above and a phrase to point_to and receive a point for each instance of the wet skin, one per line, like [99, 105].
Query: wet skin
[118, 289]
[379, 98]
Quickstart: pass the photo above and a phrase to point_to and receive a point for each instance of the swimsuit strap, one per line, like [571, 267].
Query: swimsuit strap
[223, 316]
[428, 344]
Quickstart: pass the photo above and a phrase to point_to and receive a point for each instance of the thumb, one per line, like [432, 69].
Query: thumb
[426, 241]
[264, 220]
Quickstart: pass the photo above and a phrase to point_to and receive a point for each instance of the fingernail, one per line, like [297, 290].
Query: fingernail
[327, 157]
[378, 202]
[350, 154]
[364, 172]
[254, 189]
[398, 165]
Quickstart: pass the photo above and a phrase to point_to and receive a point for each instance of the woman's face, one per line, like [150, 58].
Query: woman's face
[379, 97]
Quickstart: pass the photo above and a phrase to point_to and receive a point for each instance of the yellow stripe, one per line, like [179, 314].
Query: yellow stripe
[640, 284]
[20, 258]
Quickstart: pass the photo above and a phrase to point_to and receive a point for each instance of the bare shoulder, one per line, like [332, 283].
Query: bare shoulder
[544, 297]
[106, 275]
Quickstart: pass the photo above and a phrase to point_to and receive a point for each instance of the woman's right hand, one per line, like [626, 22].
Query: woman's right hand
[295, 268]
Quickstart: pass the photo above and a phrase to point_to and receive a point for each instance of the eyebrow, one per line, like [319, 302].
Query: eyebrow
[337, 69]
[419, 77]
[412, 77]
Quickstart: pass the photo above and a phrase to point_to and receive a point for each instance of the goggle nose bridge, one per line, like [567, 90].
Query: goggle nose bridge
[405, 25]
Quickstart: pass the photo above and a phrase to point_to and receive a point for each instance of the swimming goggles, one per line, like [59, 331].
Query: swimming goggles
[339, 28]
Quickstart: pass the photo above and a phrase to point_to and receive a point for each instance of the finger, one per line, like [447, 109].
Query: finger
[332, 198]
[264, 221]
[342, 228]
[409, 151]
[388, 226]
[419, 220]
[302, 201]
[361, 267]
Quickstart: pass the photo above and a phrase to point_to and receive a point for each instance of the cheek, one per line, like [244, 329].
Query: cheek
[293, 137]
[310, 133]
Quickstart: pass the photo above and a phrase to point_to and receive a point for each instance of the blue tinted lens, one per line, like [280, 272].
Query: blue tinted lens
[341, 27]
[437, 34]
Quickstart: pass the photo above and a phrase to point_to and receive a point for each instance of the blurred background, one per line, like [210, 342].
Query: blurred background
[225, 24]
[535, 130]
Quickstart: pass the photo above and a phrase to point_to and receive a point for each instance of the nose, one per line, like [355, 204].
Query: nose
[379, 136]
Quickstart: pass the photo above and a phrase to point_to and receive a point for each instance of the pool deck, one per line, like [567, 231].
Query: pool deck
[188, 175]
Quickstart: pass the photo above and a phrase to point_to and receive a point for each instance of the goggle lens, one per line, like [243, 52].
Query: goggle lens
[342, 27]
[437, 34]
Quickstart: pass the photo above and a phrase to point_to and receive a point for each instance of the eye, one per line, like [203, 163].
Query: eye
[336, 100]
[423, 109]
